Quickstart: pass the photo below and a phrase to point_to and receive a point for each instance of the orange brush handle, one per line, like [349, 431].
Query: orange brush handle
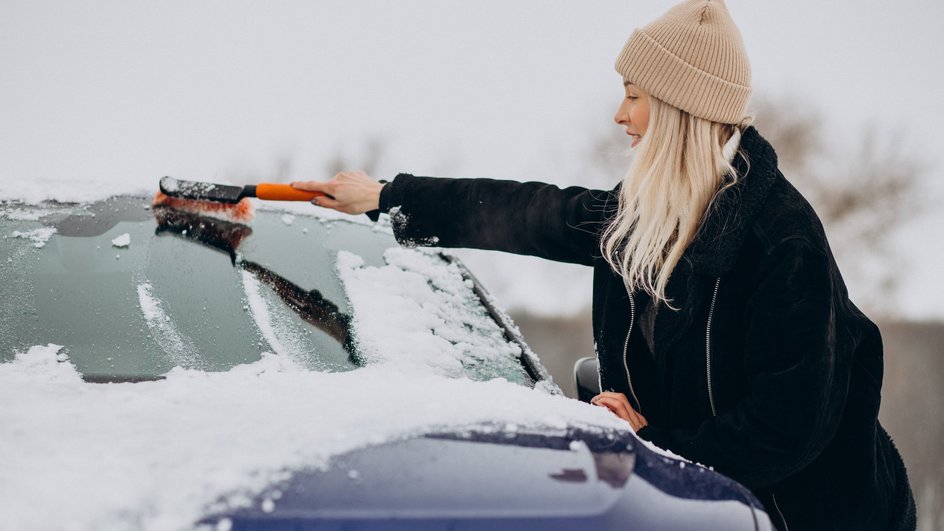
[284, 192]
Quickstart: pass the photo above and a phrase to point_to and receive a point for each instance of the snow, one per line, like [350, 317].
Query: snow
[280, 338]
[122, 241]
[39, 236]
[170, 185]
[67, 191]
[288, 219]
[23, 214]
[177, 347]
[159, 455]
[405, 313]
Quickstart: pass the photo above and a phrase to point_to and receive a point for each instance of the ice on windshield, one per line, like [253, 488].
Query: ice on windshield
[39, 236]
[201, 293]
[23, 213]
[123, 240]
[182, 351]
[273, 323]
[166, 298]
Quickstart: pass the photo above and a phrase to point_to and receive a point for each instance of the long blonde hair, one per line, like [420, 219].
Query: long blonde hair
[678, 169]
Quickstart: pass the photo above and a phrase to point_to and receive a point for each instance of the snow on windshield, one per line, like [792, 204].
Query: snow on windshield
[23, 213]
[159, 455]
[181, 350]
[122, 241]
[39, 236]
[280, 336]
[419, 310]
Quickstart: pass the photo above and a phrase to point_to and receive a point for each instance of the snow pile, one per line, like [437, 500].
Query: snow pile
[160, 455]
[418, 311]
[38, 236]
[122, 241]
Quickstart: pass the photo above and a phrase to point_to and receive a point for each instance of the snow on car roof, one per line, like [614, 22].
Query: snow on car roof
[35, 193]
[67, 191]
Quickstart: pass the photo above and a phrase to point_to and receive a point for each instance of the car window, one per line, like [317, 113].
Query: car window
[132, 292]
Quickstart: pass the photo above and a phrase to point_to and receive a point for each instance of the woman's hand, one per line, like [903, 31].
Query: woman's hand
[619, 405]
[351, 192]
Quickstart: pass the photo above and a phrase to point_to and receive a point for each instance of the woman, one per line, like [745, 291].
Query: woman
[722, 325]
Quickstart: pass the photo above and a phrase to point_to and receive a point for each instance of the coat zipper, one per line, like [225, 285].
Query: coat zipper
[632, 321]
[596, 351]
[711, 313]
[779, 512]
[711, 397]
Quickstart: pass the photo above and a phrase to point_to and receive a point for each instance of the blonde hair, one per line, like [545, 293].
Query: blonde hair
[677, 172]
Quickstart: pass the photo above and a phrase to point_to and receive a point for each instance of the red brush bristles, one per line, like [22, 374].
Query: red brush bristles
[239, 212]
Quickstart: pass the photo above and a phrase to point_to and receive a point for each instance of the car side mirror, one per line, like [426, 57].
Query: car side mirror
[587, 376]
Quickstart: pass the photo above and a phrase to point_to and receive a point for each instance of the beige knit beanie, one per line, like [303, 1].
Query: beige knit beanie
[692, 58]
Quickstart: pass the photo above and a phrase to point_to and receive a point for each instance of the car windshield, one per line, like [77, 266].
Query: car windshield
[131, 292]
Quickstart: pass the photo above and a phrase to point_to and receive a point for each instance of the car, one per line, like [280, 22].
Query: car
[165, 369]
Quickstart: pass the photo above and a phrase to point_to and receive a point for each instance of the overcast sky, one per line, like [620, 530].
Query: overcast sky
[128, 91]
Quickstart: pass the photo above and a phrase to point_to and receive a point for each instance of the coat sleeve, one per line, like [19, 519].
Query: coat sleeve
[798, 361]
[530, 218]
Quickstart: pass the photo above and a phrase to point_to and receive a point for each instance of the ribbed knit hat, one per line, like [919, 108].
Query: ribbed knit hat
[692, 58]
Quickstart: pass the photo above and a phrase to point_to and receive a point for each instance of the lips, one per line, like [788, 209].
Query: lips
[636, 138]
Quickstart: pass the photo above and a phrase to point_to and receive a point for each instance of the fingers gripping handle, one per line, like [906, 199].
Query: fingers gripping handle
[284, 192]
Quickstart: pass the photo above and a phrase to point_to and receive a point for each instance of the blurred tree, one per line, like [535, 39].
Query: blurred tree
[282, 167]
[374, 149]
[863, 194]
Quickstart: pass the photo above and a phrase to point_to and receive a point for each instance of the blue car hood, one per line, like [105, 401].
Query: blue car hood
[495, 479]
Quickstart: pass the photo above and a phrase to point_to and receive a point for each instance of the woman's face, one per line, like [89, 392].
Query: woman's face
[633, 113]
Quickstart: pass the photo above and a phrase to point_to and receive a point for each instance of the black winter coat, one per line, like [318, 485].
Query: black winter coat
[766, 372]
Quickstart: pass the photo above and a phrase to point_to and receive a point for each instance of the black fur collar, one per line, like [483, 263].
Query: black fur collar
[719, 239]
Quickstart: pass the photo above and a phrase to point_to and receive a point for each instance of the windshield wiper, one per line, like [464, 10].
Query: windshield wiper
[226, 236]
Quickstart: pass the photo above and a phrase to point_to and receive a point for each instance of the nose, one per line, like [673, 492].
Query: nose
[622, 115]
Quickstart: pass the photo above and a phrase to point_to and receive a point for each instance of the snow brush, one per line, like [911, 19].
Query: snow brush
[223, 200]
